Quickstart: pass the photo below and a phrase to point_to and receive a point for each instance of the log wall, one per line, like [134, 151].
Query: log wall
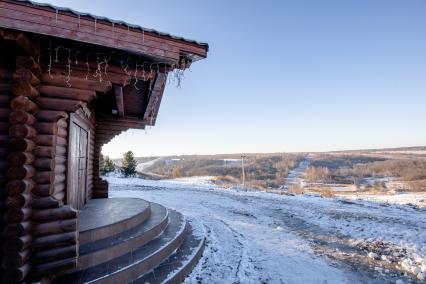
[55, 232]
[17, 232]
[5, 98]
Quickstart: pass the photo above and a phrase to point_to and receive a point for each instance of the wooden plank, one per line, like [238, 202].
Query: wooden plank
[67, 93]
[79, 83]
[37, 24]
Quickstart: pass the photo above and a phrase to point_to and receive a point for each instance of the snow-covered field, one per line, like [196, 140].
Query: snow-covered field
[258, 237]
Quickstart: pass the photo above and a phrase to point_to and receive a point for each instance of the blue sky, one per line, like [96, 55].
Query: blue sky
[285, 76]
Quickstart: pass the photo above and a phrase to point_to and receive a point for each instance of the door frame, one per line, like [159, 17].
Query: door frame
[82, 122]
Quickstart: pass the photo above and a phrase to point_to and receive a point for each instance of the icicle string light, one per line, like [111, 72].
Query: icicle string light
[135, 77]
[98, 72]
[49, 66]
[143, 70]
[38, 52]
[68, 79]
[88, 67]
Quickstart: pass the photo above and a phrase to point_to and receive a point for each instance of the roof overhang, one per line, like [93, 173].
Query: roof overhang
[65, 23]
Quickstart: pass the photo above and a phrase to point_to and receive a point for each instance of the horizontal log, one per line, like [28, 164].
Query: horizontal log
[79, 83]
[45, 190]
[44, 177]
[21, 144]
[18, 201]
[48, 255]
[55, 227]
[50, 140]
[17, 245]
[62, 123]
[4, 152]
[59, 195]
[46, 202]
[60, 177]
[16, 230]
[5, 113]
[44, 164]
[24, 75]
[59, 104]
[22, 131]
[20, 158]
[67, 93]
[24, 104]
[61, 160]
[4, 127]
[5, 100]
[57, 240]
[62, 132]
[20, 172]
[54, 266]
[119, 79]
[18, 274]
[6, 74]
[21, 117]
[15, 260]
[50, 128]
[4, 140]
[45, 152]
[18, 215]
[4, 165]
[23, 186]
[5, 87]
[60, 169]
[61, 213]
[61, 150]
[3, 178]
[50, 115]
[24, 89]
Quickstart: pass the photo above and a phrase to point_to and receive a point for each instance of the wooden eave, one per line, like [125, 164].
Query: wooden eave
[25, 16]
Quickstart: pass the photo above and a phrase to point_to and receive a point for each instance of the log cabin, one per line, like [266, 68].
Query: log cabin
[69, 83]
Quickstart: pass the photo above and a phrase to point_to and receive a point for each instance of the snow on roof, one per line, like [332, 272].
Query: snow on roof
[115, 22]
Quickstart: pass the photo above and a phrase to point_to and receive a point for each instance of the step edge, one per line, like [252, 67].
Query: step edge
[177, 240]
[85, 236]
[189, 266]
[131, 242]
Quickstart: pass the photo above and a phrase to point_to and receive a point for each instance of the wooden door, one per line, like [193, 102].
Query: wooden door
[77, 164]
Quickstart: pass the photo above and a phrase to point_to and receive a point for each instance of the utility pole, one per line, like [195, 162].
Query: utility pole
[242, 169]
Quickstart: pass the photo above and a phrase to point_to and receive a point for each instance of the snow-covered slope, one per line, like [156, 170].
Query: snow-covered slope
[256, 237]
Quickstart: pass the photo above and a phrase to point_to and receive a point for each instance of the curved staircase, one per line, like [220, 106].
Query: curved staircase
[129, 240]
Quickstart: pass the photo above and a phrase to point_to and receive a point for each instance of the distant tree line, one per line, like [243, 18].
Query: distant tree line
[261, 170]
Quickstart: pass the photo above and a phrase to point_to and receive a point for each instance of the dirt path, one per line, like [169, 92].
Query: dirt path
[295, 176]
[252, 239]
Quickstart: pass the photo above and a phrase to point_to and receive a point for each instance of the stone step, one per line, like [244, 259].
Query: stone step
[180, 264]
[132, 265]
[101, 251]
[93, 227]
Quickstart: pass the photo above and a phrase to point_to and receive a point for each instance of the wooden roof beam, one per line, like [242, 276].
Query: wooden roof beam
[118, 92]
[154, 102]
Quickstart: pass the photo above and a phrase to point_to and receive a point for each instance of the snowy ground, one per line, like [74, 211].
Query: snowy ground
[255, 237]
